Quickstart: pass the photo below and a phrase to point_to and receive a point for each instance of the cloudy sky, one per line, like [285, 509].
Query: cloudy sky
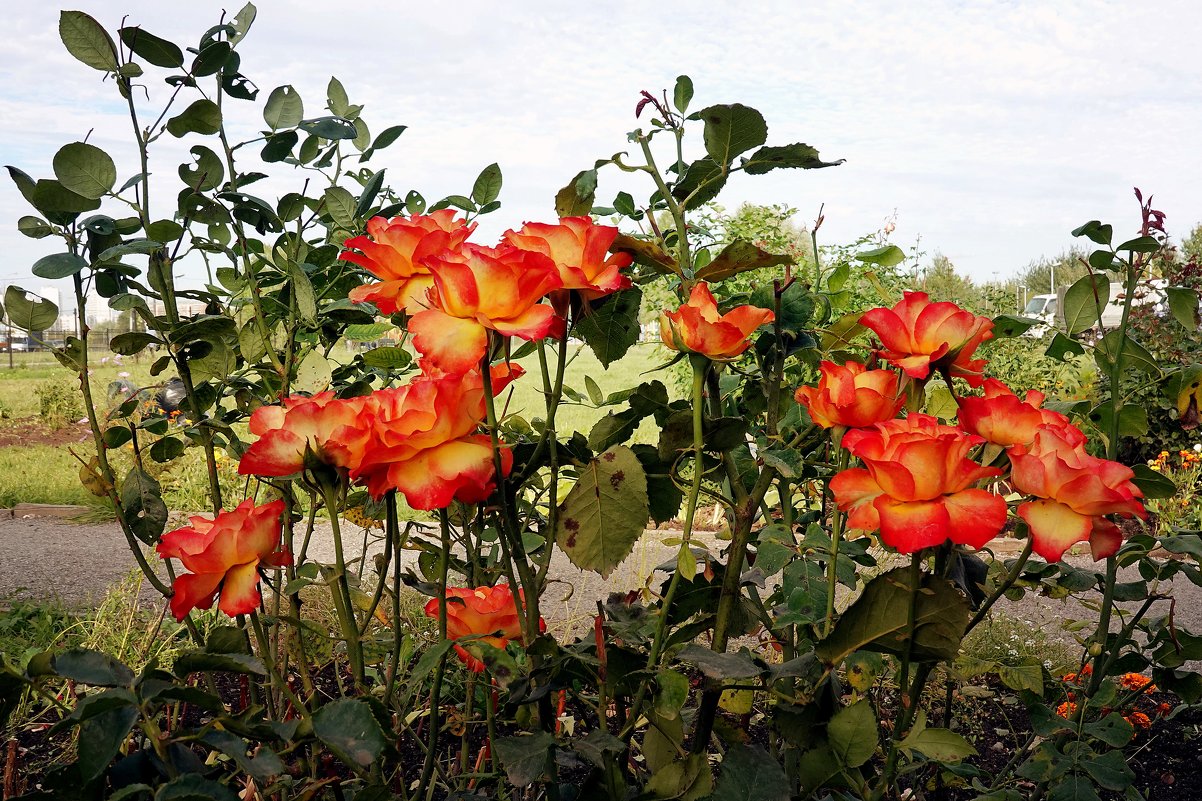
[991, 129]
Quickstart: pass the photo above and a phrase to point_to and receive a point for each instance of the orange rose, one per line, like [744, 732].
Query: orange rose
[916, 485]
[1003, 418]
[421, 439]
[484, 613]
[1074, 491]
[697, 326]
[919, 336]
[223, 555]
[394, 251]
[579, 247]
[477, 289]
[300, 428]
[851, 395]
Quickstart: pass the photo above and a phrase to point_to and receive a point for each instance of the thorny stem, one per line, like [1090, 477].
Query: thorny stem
[444, 562]
[832, 564]
[341, 593]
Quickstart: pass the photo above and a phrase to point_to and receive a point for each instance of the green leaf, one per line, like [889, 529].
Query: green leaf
[208, 173]
[340, 204]
[1141, 244]
[749, 773]
[885, 256]
[85, 170]
[488, 185]
[383, 140]
[1061, 347]
[576, 199]
[1133, 419]
[87, 40]
[796, 156]
[1114, 730]
[284, 108]
[201, 661]
[91, 667]
[368, 196]
[605, 512]
[740, 256]
[717, 665]
[646, 253]
[336, 97]
[302, 291]
[682, 95]
[1133, 355]
[941, 745]
[330, 128]
[202, 117]
[1096, 231]
[366, 332]
[194, 787]
[1110, 770]
[612, 327]
[1183, 303]
[131, 342]
[731, 130]
[211, 59]
[525, 757]
[142, 505]
[686, 779]
[34, 227]
[1008, 326]
[242, 22]
[58, 265]
[166, 449]
[50, 196]
[852, 734]
[1083, 302]
[876, 621]
[26, 314]
[387, 358]
[157, 51]
[701, 183]
[351, 731]
[1153, 484]
[101, 737]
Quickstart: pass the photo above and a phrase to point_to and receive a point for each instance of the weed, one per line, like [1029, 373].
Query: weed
[59, 403]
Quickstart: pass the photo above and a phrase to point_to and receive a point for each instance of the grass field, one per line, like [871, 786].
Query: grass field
[37, 466]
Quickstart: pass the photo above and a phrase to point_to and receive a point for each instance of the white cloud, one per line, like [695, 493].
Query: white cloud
[993, 128]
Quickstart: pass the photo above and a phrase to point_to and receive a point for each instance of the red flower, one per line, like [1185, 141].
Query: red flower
[477, 289]
[223, 555]
[1073, 490]
[421, 439]
[484, 613]
[916, 485]
[300, 428]
[394, 252]
[1001, 417]
[919, 336]
[579, 248]
[697, 326]
[851, 395]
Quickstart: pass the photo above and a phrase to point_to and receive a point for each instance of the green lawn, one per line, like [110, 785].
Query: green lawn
[37, 472]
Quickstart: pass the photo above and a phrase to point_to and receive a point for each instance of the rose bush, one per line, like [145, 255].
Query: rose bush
[649, 697]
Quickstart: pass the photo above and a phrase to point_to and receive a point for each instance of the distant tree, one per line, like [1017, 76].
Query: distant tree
[1064, 269]
[1191, 246]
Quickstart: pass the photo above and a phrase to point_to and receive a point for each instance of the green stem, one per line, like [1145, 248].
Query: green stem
[1006, 583]
[683, 258]
[444, 562]
[343, 604]
[279, 680]
[832, 564]
[904, 717]
[700, 366]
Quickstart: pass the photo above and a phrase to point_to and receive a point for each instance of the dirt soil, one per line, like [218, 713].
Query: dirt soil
[32, 431]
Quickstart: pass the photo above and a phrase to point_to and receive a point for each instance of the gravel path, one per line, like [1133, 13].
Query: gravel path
[49, 557]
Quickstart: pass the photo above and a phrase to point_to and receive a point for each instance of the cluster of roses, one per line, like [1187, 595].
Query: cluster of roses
[1136, 683]
[918, 487]
[421, 439]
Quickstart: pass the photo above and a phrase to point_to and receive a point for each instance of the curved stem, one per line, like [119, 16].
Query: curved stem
[914, 689]
[1006, 583]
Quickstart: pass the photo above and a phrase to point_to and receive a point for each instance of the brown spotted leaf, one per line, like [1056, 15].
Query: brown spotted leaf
[605, 513]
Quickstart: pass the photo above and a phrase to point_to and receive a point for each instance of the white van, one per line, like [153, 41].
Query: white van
[1047, 308]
